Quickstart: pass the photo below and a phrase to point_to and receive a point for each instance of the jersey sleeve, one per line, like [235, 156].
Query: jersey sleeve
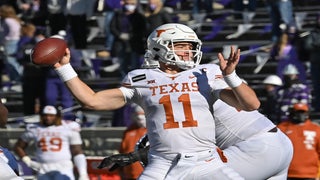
[215, 79]
[130, 83]
[75, 138]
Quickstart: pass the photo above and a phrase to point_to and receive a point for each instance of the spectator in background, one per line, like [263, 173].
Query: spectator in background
[293, 91]
[131, 136]
[78, 12]
[305, 137]
[312, 45]
[11, 24]
[286, 51]
[206, 4]
[12, 3]
[56, 144]
[109, 8]
[56, 15]
[271, 84]
[33, 11]
[33, 78]
[244, 9]
[156, 15]
[281, 12]
[129, 28]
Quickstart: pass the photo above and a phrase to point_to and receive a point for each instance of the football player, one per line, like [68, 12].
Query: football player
[56, 144]
[177, 98]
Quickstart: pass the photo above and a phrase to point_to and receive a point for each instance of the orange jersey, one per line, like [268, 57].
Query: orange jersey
[305, 138]
[130, 137]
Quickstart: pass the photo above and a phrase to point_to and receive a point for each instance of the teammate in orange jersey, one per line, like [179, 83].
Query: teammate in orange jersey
[177, 99]
[305, 137]
[56, 143]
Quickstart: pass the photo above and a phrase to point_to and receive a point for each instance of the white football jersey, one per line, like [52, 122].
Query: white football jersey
[52, 142]
[178, 107]
[233, 126]
[73, 125]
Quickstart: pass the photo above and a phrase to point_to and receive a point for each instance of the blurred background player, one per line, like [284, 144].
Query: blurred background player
[8, 163]
[130, 137]
[56, 143]
[305, 137]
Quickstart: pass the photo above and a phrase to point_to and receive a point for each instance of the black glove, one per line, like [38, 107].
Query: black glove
[118, 160]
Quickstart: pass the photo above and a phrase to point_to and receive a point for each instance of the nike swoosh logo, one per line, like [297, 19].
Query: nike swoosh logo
[208, 160]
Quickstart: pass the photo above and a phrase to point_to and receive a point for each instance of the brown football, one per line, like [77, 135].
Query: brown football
[48, 51]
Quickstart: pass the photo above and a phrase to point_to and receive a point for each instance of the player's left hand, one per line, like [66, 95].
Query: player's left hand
[227, 66]
[118, 160]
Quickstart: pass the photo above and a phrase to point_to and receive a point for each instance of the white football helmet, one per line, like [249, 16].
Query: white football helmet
[273, 79]
[168, 34]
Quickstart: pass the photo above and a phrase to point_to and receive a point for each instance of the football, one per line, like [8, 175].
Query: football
[48, 51]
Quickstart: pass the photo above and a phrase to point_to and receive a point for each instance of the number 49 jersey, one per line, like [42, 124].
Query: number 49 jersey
[178, 107]
[52, 142]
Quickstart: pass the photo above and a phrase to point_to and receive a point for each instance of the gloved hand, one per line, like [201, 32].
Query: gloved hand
[32, 164]
[124, 36]
[118, 160]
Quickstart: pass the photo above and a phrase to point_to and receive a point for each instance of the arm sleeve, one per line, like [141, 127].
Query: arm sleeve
[81, 164]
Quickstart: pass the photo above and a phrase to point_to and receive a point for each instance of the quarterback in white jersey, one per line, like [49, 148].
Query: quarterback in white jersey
[177, 99]
[56, 144]
[251, 143]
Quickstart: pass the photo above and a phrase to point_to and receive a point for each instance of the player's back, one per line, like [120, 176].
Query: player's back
[233, 126]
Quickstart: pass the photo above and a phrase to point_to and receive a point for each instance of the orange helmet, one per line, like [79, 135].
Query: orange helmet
[300, 107]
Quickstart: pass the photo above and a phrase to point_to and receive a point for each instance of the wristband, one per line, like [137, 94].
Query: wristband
[233, 80]
[66, 72]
